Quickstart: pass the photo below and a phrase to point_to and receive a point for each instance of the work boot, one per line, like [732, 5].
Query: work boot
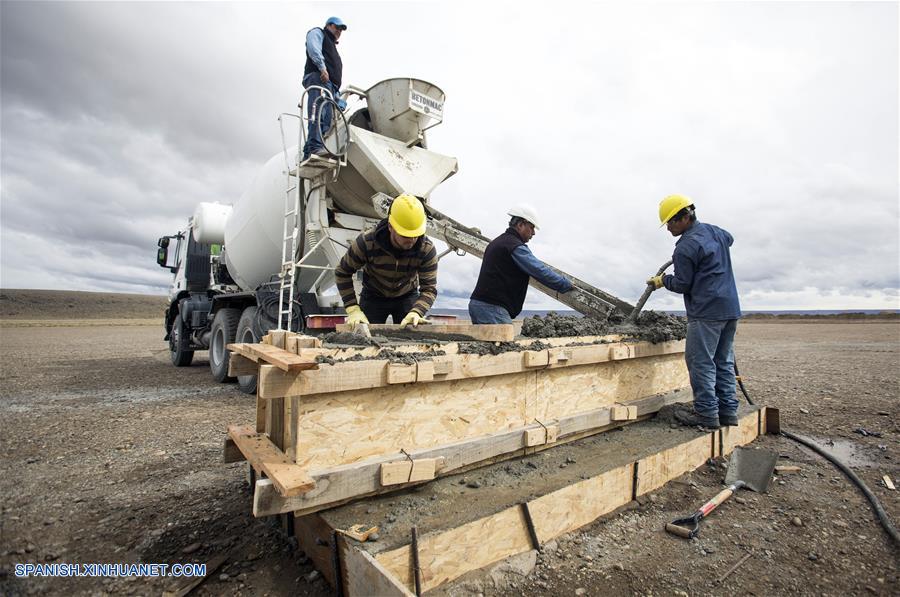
[728, 420]
[694, 419]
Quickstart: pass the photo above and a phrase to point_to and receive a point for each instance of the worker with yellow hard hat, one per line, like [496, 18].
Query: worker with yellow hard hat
[703, 274]
[399, 265]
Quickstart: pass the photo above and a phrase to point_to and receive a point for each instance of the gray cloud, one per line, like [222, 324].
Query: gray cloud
[118, 118]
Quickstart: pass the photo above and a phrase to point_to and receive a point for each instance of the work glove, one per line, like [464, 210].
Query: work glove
[412, 318]
[656, 282]
[355, 316]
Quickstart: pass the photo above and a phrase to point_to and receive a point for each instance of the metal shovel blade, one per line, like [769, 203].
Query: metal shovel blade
[753, 467]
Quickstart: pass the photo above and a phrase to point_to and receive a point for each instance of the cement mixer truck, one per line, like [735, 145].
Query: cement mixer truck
[267, 261]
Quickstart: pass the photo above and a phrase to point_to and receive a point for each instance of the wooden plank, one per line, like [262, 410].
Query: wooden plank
[238, 364]
[346, 482]
[497, 332]
[401, 373]
[314, 536]
[421, 469]
[230, 451]
[658, 469]
[262, 414]
[446, 555]
[294, 343]
[358, 375]
[277, 338]
[266, 458]
[577, 505]
[745, 432]
[536, 358]
[364, 576]
[424, 371]
[284, 360]
[621, 412]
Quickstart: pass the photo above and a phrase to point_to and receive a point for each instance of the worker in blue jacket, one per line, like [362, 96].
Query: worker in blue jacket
[507, 266]
[704, 276]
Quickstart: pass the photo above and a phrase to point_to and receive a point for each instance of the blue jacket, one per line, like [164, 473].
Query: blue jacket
[703, 273]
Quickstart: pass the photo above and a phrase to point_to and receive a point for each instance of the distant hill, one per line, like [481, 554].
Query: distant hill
[70, 304]
[16, 304]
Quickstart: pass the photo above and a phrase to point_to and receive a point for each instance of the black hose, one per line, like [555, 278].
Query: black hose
[879, 510]
[740, 382]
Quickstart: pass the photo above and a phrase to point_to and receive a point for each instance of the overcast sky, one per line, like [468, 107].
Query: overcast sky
[780, 120]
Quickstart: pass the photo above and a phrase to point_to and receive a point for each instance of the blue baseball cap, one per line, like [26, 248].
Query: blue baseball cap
[337, 22]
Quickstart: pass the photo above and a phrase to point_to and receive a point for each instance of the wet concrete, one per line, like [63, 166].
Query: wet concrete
[348, 339]
[385, 354]
[498, 347]
[651, 326]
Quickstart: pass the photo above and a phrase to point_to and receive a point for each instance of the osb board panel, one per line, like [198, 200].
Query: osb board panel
[363, 575]
[351, 426]
[658, 469]
[595, 386]
[575, 506]
[347, 427]
[446, 555]
[744, 433]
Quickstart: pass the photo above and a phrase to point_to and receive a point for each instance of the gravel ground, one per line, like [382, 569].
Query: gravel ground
[110, 454]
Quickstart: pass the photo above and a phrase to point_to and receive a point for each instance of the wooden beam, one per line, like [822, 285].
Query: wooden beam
[266, 458]
[408, 471]
[294, 343]
[499, 332]
[284, 360]
[358, 375]
[239, 364]
[343, 483]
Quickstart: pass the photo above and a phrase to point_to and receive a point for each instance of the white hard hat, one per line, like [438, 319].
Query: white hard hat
[526, 212]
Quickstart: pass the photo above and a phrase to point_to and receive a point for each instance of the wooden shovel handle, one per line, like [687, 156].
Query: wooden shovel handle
[677, 529]
[717, 501]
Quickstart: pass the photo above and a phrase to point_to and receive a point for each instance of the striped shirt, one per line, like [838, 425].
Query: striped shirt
[389, 272]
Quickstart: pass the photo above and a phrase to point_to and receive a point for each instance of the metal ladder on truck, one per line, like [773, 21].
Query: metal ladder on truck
[297, 178]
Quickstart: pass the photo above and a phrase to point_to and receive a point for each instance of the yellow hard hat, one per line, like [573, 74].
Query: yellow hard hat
[407, 216]
[671, 205]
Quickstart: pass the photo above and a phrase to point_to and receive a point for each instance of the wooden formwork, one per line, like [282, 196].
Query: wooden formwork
[487, 532]
[329, 433]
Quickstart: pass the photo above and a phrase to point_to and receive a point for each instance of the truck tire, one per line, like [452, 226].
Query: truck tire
[224, 328]
[248, 332]
[178, 343]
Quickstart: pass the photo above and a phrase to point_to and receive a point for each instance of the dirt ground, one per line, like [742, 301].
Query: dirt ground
[110, 454]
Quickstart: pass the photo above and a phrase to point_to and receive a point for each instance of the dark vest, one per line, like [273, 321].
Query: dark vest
[332, 59]
[500, 281]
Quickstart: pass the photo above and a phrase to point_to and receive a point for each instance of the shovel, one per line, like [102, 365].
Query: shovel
[750, 469]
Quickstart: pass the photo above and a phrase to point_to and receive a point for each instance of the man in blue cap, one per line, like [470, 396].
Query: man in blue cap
[323, 69]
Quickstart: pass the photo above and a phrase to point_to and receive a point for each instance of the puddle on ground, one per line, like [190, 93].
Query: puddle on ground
[851, 453]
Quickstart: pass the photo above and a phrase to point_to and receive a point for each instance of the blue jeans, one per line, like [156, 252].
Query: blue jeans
[481, 312]
[313, 139]
[709, 354]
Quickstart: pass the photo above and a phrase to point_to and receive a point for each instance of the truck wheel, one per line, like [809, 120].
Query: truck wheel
[224, 328]
[248, 332]
[178, 343]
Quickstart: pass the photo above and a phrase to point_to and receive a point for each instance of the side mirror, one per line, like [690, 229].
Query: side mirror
[163, 242]
[162, 255]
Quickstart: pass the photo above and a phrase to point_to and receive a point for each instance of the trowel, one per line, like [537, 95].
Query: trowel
[750, 469]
